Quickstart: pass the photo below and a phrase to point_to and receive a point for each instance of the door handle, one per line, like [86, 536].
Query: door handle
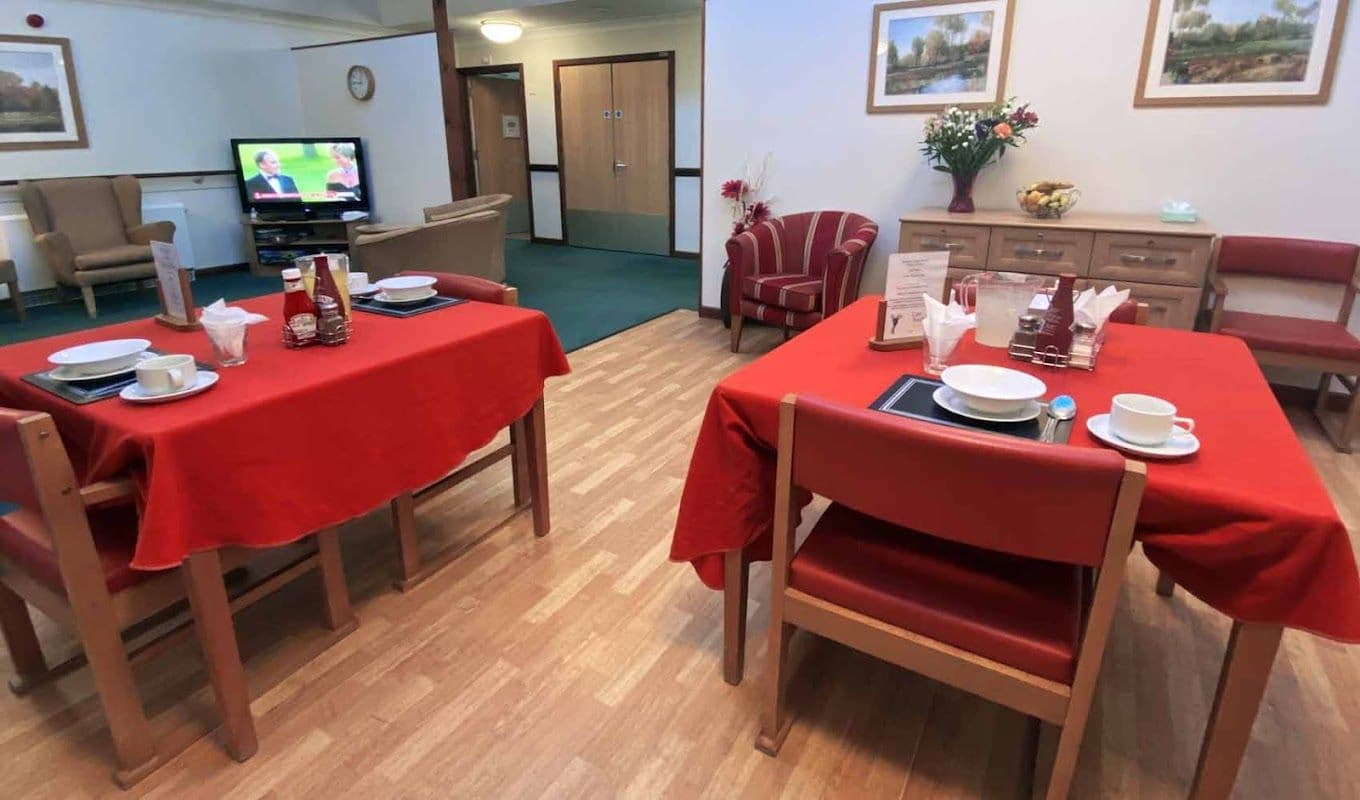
[618, 165]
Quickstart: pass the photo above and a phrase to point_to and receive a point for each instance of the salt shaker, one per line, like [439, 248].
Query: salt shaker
[331, 329]
[1083, 352]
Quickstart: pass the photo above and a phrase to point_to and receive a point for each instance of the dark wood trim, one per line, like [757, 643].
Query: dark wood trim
[686, 172]
[689, 254]
[139, 175]
[454, 101]
[548, 240]
[357, 41]
[703, 43]
[561, 165]
[543, 168]
[710, 312]
[650, 55]
[497, 69]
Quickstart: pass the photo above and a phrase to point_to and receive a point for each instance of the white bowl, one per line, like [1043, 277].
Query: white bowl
[97, 358]
[993, 390]
[405, 287]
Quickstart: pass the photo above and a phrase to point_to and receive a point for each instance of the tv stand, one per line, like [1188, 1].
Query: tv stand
[299, 215]
[274, 240]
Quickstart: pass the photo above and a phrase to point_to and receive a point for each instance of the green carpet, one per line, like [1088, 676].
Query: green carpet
[588, 294]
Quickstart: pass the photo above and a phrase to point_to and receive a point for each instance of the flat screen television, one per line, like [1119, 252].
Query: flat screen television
[301, 177]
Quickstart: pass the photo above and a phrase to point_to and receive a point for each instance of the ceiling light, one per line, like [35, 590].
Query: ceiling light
[501, 31]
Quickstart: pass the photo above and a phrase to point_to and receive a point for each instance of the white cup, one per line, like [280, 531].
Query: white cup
[358, 281]
[165, 374]
[1146, 420]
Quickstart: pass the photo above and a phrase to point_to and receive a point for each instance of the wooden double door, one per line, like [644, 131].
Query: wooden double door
[615, 151]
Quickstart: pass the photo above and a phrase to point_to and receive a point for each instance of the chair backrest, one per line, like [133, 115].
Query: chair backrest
[1130, 312]
[458, 208]
[94, 213]
[36, 474]
[1301, 259]
[470, 287]
[985, 490]
[808, 236]
[471, 244]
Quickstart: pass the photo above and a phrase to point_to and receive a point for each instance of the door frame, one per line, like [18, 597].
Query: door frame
[655, 55]
[497, 69]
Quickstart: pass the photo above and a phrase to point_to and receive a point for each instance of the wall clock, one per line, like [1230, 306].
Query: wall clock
[361, 82]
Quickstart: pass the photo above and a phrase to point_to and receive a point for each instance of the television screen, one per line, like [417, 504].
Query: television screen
[279, 173]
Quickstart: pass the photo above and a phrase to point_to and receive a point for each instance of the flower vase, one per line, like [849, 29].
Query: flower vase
[963, 192]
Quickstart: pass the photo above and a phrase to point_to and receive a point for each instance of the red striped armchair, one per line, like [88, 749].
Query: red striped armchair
[796, 270]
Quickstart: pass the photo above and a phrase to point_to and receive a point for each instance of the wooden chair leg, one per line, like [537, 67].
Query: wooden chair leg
[535, 427]
[787, 332]
[519, 463]
[339, 615]
[1241, 685]
[736, 581]
[217, 636]
[404, 523]
[21, 641]
[774, 725]
[1166, 585]
[17, 298]
[1352, 419]
[1342, 436]
[87, 292]
[736, 331]
[132, 740]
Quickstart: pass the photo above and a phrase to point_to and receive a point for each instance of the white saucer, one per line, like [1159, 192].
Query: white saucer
[367, 290]
[382, 297]
[1178, 446]
[950, 401]
[205, 381]
[66, 374]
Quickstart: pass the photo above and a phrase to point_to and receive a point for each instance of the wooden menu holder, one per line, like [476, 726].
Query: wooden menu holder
[190, 321]
[876, 343]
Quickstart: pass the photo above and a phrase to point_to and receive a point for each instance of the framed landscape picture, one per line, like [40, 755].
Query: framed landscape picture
[39, 103]
[1240, 52]
[926, 55]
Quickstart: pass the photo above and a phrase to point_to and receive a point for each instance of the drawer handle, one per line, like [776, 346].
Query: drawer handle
[1037, 252]
[938, 245]
[1132, 258]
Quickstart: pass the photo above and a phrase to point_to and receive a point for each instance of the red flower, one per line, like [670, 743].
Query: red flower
[759, 212]
[734, 189]
[1023, 116]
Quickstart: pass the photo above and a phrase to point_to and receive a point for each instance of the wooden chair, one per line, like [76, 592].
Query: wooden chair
[68, 549]
[1319, 345]
[1130, 312]
[991, 595]
[528, 468]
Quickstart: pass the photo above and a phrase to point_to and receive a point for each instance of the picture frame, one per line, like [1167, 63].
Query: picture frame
[1231, 53]
[38, 73]
[927, 55]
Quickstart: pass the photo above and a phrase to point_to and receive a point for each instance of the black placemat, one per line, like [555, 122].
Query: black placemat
[82, 392]
[403, 310]
[913, 396]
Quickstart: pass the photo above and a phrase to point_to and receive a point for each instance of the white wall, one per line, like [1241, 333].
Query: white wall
[162, 91]
[793, 84]
[537, 50]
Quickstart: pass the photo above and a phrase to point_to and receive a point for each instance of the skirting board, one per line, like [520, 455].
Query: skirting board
[710, 312]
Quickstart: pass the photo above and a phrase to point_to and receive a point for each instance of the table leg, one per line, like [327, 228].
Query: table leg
[339, 615]
[519, 463]
[1166, 585]
[404, 522]
[217, 635]
[1241, 685]
[736, 580]
[537, 441]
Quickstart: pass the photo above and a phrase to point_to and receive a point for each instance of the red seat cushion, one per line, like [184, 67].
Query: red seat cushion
[792, 292]
[774, 315]
[1308, 337]
[23, 539]
[1022, 612]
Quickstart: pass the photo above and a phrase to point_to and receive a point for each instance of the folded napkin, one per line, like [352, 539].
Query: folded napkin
[944, 324]
[226, 326]
[1094, 309]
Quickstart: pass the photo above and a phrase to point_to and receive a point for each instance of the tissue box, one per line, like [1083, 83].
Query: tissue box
[1179, 212]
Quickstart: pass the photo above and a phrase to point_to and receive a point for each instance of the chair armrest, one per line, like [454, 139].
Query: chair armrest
[163, 231]
[845, 268]
[456, 208]
[370, 230]
[104, 491]
[56, 249]
[752, 252]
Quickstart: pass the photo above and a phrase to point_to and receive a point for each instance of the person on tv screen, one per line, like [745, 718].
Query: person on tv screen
[344, 179]
[267, 181]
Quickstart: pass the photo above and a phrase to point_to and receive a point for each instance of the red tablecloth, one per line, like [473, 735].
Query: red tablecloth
[1245, 524]
[294, 441]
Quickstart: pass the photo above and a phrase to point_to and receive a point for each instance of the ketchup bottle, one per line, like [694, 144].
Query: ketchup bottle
[325, 281]
[1056, 334]
[299, 312]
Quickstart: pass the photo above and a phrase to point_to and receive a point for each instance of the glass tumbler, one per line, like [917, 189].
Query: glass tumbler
[936, 352]
[228, 342]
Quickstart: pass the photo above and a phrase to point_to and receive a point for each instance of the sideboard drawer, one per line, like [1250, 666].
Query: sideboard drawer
[1180, 260]
[1168, 306]
[967, 244]
[1047, 252]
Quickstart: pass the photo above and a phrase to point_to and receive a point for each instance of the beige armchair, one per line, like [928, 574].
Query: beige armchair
[458, 208]
[470, 244]
[90, 231]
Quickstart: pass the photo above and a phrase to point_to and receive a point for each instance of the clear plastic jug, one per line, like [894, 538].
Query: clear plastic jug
[999, 299]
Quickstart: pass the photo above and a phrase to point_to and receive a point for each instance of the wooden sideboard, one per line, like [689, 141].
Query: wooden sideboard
[1163, 264]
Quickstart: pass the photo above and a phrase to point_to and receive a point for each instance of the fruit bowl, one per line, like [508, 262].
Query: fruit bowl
[1047, 199]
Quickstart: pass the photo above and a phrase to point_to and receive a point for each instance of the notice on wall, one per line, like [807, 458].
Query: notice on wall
[510, 126]
[171, 281]
[911, 275]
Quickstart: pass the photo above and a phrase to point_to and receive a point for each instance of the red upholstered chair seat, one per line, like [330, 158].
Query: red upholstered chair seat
[1023, 612]
[468, 287]
[774, 315]
[1309, 337]
[791, 292]
[23, 539]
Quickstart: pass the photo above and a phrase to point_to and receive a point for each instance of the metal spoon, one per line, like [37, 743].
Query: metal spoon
[1060, 409]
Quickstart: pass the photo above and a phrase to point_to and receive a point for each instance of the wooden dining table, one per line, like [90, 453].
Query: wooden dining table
[1245, 524]
[294, 442]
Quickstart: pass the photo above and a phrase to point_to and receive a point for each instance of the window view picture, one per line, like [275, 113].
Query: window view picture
[926, 55]
[39, 104]
[1240, 52]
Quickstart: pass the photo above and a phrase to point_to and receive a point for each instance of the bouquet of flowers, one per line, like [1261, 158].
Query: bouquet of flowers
[741, 193]
[961, 142]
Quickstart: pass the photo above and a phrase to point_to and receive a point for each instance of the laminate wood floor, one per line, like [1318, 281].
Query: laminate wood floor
[587, 665]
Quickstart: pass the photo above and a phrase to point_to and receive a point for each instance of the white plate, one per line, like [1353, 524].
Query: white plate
[364, 291]
[382, 297]
[205, 381]
[68, 374]
[993, 390]
[950, 401]
[99, 357]
[1178, 446]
